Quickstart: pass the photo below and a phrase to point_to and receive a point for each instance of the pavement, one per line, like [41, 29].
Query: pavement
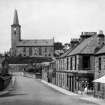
[83, 96]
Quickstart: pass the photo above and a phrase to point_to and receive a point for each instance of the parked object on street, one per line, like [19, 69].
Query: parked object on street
[4, 81]
[5, 77]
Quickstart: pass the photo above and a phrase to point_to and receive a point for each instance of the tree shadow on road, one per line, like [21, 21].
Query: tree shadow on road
[11, 94]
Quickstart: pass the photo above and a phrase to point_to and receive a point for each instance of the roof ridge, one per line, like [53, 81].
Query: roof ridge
[81, 46]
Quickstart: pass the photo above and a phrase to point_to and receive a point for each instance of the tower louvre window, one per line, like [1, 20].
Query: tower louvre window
[15, 32]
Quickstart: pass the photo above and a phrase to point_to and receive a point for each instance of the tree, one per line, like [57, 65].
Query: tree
[58, 46]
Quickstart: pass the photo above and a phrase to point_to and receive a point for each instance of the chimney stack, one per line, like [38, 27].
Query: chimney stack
[74, 42]
[85, 35]
[101, 38]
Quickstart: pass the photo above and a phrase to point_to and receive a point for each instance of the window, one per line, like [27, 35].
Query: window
[24, 49]
[35, 51]
[75, 62]
[45, 49]
[40, 51]
[99, 63]
[30, 51]
[98, 87]
[49, 54]
[71, 63]
[67, 63]
[86, 62]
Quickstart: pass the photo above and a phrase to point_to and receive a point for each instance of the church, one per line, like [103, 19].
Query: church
[29, 48]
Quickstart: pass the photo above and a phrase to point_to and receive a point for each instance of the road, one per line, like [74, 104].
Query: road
[29, 91]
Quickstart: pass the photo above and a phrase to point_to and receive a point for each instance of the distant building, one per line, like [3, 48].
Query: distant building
[31, 48]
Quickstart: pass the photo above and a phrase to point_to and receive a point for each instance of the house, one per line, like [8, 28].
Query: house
[75, 68]
[99, 88]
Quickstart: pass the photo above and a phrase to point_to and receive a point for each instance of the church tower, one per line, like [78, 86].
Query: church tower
[15, 33]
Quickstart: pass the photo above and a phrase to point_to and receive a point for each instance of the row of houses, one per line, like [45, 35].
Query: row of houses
[80, 65]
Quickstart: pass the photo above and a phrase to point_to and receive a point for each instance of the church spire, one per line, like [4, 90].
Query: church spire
[15, 21]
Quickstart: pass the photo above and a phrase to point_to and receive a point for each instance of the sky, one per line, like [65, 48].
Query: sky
[45, 19]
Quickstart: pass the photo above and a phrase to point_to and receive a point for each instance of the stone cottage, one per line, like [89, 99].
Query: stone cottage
[99, 90]
[75, 70]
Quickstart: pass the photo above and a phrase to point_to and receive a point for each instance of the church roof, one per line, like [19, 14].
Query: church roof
[87, 46]
[40, 42]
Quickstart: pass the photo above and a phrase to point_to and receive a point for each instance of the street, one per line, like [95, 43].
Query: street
[29, 91]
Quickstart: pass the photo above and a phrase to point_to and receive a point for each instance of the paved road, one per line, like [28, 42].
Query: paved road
[28, 91]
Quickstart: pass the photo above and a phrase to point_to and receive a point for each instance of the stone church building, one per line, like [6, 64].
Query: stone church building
[29, 48]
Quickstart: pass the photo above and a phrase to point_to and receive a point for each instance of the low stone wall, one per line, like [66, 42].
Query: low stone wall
[17, 67]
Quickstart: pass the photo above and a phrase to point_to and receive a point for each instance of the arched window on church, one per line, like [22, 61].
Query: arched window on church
[30, 51]
[35, 52]
[24, 50]
[40, 51]
[45, 49]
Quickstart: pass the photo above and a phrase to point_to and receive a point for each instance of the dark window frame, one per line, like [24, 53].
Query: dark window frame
[40, 51]
[99, 63]
[98, 86]
[75, 62]
[30, 51]
[71, 65]
[67, 63]
[86, 62]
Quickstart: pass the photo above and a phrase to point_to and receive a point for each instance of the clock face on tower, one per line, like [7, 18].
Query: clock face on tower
[14, 30]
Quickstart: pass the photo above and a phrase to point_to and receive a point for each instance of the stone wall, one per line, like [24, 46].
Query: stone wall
[99, 73]
[16, 67]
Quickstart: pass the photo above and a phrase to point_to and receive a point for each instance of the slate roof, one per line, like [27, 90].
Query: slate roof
[101, 51]
[66, 53]
[45, 42]
[87, 46]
